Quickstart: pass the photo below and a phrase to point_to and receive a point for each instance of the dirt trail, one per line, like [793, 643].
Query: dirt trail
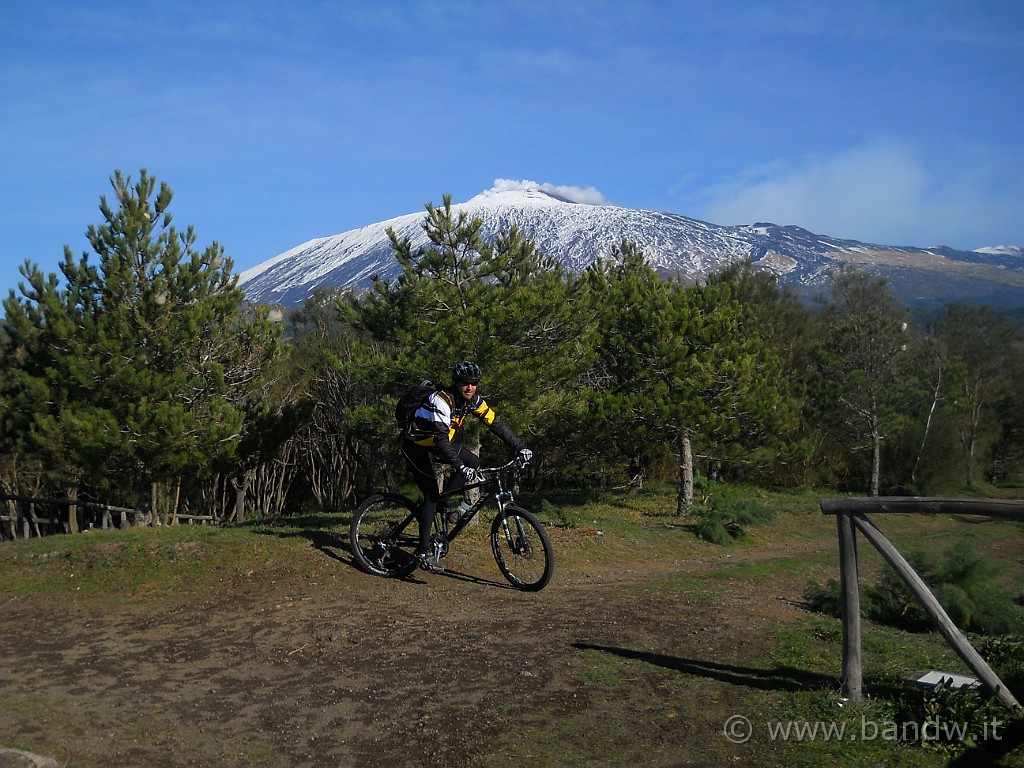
[362, 671]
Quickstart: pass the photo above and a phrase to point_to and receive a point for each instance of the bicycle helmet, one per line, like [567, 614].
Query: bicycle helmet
[466, 370]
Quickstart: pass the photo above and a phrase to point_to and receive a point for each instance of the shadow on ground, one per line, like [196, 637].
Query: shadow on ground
[776, 679]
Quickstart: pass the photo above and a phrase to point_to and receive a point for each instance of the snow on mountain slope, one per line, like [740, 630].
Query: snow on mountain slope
[578, 233]
[1002, 250]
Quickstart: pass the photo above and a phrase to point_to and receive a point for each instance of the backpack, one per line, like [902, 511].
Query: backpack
[410, 401]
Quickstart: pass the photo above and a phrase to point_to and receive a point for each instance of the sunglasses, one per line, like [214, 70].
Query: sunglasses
[470, 383]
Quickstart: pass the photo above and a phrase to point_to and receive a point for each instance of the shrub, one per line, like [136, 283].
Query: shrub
[717, 530]
[825, 599]
[963, 583]
[1005, 655]
[952, 720]
[725, 512]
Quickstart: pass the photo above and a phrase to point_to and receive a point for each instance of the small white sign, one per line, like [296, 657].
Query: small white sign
[933, 678]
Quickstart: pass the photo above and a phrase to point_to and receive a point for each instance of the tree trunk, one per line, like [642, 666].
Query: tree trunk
[33, 516]
[973, 443]
[876, 463]
[72, 493]
[927, 427]
[240, 490]
[684, 500]
[176, 502]
[164, 502]
[971, 440]
[154, 503]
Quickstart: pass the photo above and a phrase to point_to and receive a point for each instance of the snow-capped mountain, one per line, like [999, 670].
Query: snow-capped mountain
[578, 233]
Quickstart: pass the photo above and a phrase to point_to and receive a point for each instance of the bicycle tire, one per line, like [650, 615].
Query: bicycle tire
[526, 559]
[384, 535]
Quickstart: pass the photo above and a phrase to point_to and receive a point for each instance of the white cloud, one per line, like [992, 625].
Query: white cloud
[586, 195]
[878, 192]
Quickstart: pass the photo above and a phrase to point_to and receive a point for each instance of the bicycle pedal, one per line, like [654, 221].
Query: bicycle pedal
[429, 563]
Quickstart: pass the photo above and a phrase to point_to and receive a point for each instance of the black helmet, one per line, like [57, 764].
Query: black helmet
[467, 371]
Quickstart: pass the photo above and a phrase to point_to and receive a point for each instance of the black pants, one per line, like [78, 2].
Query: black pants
[420, 462]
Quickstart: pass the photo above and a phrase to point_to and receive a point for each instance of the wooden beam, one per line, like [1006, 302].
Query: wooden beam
[68, 502]
[1012, 510]
[32, 518]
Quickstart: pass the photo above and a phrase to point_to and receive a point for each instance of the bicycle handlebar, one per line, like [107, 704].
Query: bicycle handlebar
[515, 462]
[490, 473]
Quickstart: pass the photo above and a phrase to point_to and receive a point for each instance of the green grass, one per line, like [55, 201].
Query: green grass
[180, 562]
[808, 649]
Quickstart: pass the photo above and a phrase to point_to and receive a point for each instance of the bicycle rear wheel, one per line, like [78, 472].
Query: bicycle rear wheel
[522, 549]
[384, 535]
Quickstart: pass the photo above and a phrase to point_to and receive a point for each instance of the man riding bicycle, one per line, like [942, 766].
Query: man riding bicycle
[438, 421]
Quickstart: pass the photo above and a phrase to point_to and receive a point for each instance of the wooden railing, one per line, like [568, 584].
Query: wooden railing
[851, 516]
[28, 518]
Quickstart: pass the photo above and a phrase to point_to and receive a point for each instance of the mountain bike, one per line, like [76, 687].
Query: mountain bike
[384, 532]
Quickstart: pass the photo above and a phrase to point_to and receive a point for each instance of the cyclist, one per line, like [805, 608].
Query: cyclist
[436, 423]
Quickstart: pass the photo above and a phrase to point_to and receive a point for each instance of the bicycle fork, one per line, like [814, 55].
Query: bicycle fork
[516, 540]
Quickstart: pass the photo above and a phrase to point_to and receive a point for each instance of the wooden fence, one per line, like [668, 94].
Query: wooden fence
[33, 515]
[851, 516]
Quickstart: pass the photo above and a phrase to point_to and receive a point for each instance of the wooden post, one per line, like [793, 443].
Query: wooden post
[850, 584]
[23, 528]
[946, 626]
[73, 526]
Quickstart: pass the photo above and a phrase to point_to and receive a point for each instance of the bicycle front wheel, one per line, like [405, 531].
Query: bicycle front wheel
[522, 549]
[384, 535]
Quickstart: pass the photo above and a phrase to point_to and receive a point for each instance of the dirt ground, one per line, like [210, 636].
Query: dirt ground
[347, 669]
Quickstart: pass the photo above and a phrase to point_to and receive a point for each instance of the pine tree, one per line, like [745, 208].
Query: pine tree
[861, 391]
[138, 368]
[504, 304]
[680, 364]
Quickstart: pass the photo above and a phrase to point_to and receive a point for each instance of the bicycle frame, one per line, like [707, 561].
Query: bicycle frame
[501, 492]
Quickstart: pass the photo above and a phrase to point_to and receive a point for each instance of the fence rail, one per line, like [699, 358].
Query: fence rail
[27, 514]
[851, 516]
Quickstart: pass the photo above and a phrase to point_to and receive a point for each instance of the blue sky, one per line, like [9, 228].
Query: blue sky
[277, 122]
